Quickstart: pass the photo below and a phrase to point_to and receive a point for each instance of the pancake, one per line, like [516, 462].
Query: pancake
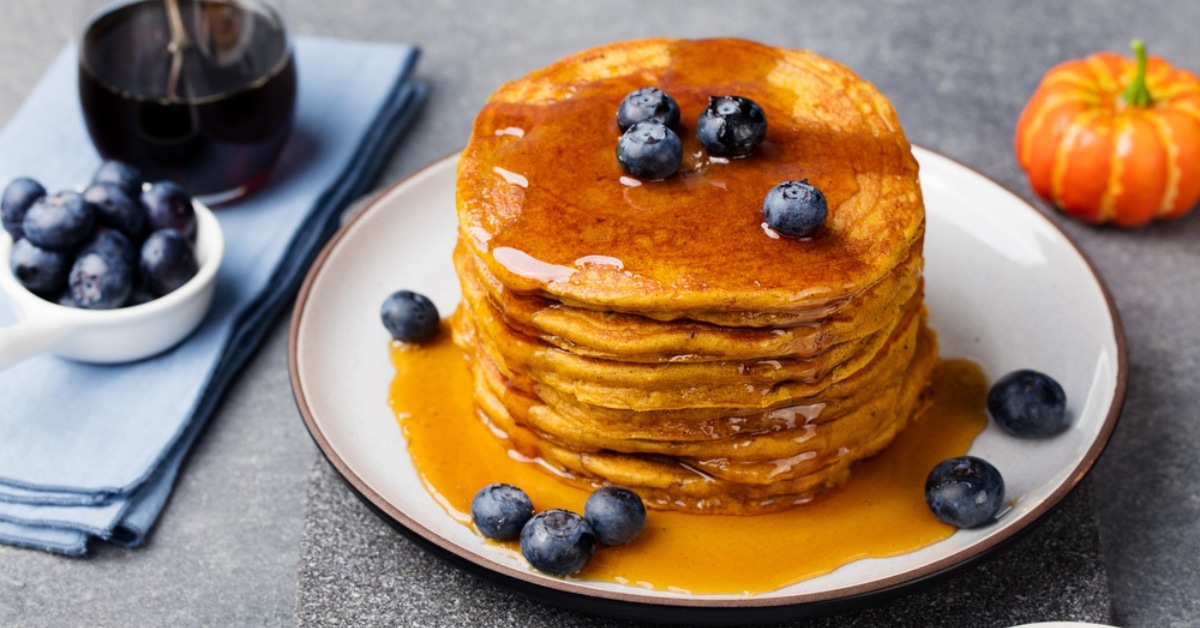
[654, 334]
[761, 383]
[696, 484]
[544, 205]
[540, 409]
[627, 337]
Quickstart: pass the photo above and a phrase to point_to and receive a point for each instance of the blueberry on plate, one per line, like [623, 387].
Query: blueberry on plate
[617, 515]
[410, 316]
[558, 542]
[116, 208]
[965, 491]
[169, 206]
[59, 221]
[650, 150]
[41, 271]
[100, 280]
[123, 174]
[647, 103]
[731, 126]
[19, 196]
[167, 261]
[795, 208]
[1028, 404]
[499, 511]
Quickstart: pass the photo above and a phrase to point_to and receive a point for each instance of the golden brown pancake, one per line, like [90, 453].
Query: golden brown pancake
[544, 205]
[654, 334]
[635, 338]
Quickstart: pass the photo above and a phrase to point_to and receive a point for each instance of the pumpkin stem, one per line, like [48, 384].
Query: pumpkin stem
[1136, 95]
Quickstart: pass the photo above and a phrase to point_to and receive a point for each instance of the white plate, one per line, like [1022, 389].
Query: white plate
[1005, 287]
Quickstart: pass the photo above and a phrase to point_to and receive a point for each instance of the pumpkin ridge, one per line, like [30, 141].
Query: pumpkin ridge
[1086, 165]
[1071, 80]
[1062, 156]
[1105, 76]
[1032, 125]
[1166, 138]
[1122, 128]
[1176, 90]
[1054, 119]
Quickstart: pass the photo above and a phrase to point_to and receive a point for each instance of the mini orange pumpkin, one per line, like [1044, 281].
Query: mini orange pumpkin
[1109, 139]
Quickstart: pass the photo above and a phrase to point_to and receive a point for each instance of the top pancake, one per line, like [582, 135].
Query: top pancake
[544, 204]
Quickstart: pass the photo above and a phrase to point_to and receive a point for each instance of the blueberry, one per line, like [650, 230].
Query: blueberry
[169, 206]
[141, 292]
[558, 542]
[650, 150]
[965, 491]
[100, 280]
[125, 175]
[114, 242]
[41, 271]
[731, 126]
[617, 515]
[59, 221]
[410, 316]
[647, 103]
[1028, 404]
[19, 196]
[795, 208]
[167, 261]
[116, 208]
[499, 511]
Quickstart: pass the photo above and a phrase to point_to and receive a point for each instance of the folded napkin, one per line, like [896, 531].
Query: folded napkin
[91, 451]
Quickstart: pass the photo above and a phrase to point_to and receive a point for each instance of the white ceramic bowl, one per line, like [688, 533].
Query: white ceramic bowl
[111, 336]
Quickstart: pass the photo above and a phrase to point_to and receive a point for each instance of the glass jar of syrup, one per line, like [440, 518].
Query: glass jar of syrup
[201, 92]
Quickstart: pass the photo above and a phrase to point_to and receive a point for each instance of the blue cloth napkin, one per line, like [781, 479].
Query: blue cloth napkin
[89, 451]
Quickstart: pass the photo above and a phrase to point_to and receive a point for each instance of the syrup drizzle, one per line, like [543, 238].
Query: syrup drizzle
[880, 512]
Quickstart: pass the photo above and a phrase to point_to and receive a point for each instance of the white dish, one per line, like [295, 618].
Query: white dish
[1005, 287]
[112, 336]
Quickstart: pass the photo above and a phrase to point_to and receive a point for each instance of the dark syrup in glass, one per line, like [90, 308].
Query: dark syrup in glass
[217, 121]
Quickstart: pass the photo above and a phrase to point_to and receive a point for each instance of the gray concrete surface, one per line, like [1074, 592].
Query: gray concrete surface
[228, 548]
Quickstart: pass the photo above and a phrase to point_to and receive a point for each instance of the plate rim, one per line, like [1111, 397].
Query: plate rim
[710, 609]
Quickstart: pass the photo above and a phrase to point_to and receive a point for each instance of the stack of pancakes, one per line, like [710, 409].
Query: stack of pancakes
[656, 334]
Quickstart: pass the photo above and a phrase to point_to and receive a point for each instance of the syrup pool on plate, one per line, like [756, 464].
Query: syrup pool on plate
[880, 512]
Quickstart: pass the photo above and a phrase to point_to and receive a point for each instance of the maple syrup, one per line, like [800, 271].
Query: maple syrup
[880, 512]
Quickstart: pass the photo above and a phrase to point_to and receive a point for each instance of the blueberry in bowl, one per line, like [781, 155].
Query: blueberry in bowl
[54, 315]
[125, 175]
[116, 208]
[19, 195]
[59, 221]
[169, 206]
[167, 261]
[100, 279]
[41, 271]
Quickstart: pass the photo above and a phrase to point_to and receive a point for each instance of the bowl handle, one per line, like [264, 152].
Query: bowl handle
[28, 338]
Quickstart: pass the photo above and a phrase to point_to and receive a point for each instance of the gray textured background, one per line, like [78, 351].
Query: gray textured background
[228, 548]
